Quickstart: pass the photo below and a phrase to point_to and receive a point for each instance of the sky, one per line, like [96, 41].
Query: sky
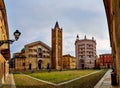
[35, 19]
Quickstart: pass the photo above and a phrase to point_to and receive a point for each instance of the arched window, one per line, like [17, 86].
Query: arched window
[39, 50]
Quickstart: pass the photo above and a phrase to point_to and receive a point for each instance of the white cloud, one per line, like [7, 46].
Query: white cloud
[35, 18]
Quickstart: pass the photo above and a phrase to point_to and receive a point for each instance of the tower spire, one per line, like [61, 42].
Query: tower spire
[56, 55]
[56, 25]
[77, 37]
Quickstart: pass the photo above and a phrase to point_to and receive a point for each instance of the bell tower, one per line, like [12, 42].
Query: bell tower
[56, 55]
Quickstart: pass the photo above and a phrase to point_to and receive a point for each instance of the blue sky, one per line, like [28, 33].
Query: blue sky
[36, 18]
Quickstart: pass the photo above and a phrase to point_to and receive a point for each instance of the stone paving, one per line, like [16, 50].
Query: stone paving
[9, 83]
[105, 82]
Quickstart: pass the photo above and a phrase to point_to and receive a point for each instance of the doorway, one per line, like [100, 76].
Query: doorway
[40, 64]
[82, 65]
[30, 66]
[108, 65]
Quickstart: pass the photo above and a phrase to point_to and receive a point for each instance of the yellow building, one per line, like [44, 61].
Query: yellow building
[4, 48]
[34, 56]
[69, 62]
[19, 61]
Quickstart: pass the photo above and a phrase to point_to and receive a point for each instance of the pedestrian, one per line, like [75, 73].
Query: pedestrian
[48, 67]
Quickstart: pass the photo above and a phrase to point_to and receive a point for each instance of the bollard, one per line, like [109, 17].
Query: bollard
[113, 78]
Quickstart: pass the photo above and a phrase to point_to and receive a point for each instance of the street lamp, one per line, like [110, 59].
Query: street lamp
[16, 35]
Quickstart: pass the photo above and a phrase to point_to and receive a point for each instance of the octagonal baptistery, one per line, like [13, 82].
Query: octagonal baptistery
[85, 51]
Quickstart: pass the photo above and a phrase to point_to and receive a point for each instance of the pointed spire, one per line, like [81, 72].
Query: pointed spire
[77, 37]
[56, 25]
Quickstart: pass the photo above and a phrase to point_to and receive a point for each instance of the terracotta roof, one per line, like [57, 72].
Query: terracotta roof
[105, 54]
[68, 55]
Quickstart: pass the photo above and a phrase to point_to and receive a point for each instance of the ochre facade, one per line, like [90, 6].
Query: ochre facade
[56, 54]
[4, 49]
[112, 8]
[34, 56]
[19, 59]
[69, 62]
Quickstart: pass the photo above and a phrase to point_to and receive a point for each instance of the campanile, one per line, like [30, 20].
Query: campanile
[56, 55]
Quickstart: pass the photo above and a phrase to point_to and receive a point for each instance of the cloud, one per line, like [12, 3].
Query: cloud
[35, 18]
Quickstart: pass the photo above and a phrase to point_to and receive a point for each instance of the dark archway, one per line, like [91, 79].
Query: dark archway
[40, 64]
[82, 65]
[108, 65]
[30, 66]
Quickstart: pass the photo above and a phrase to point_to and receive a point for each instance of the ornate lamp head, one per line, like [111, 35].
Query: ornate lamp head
[17, 34]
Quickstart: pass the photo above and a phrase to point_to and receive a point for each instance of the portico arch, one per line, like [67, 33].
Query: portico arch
[112, 8]
[40, 64]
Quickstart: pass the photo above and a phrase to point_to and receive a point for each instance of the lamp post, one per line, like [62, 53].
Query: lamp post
[16, 35]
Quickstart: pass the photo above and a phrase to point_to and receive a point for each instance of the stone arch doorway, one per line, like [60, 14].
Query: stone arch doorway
[30, 66]
[108, 65]
[82, 66]
[40, 64]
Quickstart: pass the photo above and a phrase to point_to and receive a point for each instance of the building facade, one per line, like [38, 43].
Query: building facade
[112, 8]
[18, 61]
[69, 62]
[85, 51]
[56, 55]
[105, 60]
[34, 56]
[97, 63]
[4, 48]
